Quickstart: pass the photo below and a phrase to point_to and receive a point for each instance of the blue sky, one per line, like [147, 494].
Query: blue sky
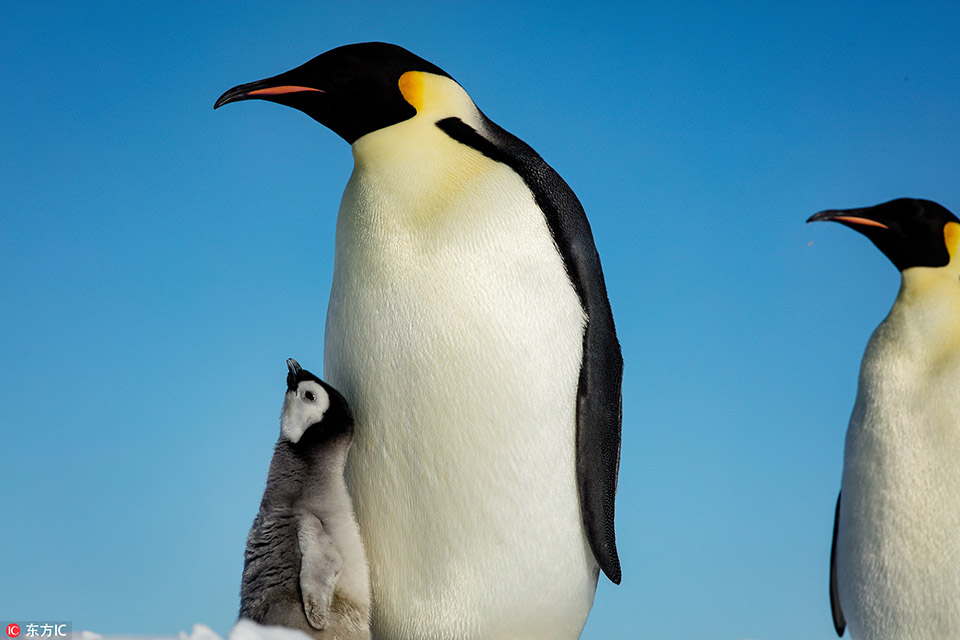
[160, 261]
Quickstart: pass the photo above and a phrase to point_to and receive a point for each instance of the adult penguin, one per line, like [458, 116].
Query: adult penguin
[469, 329]
[895, 562]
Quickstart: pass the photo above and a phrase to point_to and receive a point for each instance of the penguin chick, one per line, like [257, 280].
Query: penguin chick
[304, 566]
[895, 558]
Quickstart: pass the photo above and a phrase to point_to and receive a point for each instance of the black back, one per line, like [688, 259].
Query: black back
[601, 369]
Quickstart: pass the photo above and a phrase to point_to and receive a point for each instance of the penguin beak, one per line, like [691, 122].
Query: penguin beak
[853, 218]
[293, 369]
[293, 366]
[275, 89]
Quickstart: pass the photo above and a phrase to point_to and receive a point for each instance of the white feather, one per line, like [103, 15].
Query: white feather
[304, 406]
[898, 546]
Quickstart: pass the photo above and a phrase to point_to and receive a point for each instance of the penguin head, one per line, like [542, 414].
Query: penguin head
[353, 90]
[910, 232]
[312, 409]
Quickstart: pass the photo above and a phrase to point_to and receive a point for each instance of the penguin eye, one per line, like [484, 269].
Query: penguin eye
[308, 396]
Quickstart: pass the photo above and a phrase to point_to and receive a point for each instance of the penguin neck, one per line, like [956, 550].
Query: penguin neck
[927, 309]
[919, 340]
[414, 161]
[300, 474]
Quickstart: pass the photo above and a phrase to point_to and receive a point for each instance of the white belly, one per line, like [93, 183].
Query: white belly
[898, 548]
[455, 335]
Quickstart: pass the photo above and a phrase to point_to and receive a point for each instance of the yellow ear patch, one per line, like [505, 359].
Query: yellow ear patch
[951, 236]
[411, 86]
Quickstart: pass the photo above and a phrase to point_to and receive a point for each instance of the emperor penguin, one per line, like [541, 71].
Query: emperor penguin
[304, 567]
[895, 559]
[469, 328]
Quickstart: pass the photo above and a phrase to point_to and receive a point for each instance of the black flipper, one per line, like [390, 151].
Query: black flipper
[601, 369]
[838, 621]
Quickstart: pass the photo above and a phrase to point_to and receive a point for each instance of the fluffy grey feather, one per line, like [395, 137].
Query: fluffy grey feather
[304, 566]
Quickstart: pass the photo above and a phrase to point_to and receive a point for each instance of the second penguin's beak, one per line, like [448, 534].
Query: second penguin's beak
[850, 217]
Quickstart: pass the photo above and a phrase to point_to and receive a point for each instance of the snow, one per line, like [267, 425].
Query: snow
[243, 630]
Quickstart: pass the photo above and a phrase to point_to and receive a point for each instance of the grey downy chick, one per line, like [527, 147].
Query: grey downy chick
[304, 566]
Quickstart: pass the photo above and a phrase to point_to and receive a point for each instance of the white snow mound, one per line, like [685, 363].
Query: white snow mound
[243, 630]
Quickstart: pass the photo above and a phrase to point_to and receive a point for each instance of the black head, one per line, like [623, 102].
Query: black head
[911, 232]
[313, 411]
[353, 89]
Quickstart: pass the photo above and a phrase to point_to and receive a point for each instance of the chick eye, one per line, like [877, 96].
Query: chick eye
[308, 396]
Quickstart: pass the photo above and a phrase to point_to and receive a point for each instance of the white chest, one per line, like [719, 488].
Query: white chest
[456, 336]
[898, 545]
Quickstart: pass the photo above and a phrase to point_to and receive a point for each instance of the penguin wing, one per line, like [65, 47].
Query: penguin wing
[601, 369]
[320, 564]
[839, 623]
